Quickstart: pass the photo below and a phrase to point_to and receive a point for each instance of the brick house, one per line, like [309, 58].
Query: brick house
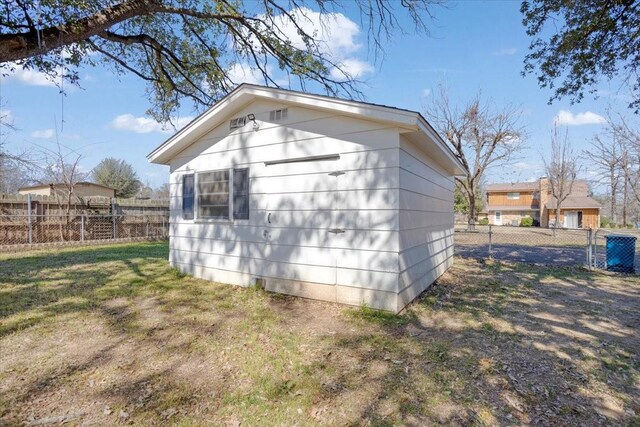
[507, 204]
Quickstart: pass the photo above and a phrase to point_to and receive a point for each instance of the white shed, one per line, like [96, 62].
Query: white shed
[312, 196]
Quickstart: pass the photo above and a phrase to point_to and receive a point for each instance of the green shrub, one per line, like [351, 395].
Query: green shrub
[484, 221]
[527, 221]
[604, 221]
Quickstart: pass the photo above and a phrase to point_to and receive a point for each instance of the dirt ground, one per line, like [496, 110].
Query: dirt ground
[113, 336]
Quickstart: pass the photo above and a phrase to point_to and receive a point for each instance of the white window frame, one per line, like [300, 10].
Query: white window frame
[513, 195]
[196, 216]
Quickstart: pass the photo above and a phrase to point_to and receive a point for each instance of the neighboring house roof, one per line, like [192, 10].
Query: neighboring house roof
[514, 186]
[61, 184]
[573, 202]
[511, 208]
[246, 93]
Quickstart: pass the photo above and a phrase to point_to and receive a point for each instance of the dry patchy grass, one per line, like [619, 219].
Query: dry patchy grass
[112, 335]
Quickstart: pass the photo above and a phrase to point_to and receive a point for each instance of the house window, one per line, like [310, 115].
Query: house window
[277, 115]
[187, 196]
[237, 123]
[536, 195]
[213, 194]
[216, 193]
[513, 196]
[241, 193]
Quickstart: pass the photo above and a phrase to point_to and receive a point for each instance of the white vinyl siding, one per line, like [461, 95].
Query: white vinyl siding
[286, 239]
[426, 222]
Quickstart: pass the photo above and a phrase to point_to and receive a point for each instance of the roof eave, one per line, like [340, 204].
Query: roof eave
[402, 118]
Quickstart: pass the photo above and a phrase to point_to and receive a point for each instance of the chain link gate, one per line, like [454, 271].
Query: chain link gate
[615, 250]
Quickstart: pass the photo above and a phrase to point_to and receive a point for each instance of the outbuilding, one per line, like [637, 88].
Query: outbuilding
[312, 196]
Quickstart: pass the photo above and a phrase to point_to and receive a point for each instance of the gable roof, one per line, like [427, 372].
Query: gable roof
[246, 93]
[514, 186]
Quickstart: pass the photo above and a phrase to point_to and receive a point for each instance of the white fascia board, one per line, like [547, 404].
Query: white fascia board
[352, 108]
[194, 129]
[246, 93]
[455, 165]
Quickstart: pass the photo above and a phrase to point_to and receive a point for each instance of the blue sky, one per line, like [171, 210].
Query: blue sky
[472, 46]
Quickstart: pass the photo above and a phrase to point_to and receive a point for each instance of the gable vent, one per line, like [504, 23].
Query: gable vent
[277, 115]
[237, 123]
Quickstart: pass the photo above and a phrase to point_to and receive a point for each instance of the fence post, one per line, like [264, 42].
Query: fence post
[113, 218]
[490, 233]
[147, 226]
[29, 220]
[589, 231]
[82, 228]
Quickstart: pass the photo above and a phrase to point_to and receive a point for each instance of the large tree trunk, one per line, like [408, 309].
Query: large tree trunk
[472, 213]
[14, 47]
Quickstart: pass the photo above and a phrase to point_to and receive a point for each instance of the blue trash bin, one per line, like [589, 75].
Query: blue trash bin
[621, 252]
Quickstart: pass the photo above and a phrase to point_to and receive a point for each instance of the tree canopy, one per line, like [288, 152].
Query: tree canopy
[118, 175]
[187, 49]
[576, 43]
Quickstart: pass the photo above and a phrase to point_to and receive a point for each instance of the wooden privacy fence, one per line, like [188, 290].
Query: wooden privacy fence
[27, 221]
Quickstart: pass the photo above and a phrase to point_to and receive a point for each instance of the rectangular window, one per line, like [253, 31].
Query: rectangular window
[277, 115]
[241, 193]
[513, 196]
[237, 123]
[213, 194]
[187, 196]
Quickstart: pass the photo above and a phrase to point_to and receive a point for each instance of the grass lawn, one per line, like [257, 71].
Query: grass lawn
[111, 335]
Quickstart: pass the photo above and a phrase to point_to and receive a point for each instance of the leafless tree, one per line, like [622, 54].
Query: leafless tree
[14, 166]
[61, 170]
[629, 139]
[481, 136]
[562, 169]
[608, 156]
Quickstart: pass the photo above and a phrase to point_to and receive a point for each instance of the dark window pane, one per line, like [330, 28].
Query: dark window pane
[187, 196]
[213, 194]
[221, 212]
[241, 193]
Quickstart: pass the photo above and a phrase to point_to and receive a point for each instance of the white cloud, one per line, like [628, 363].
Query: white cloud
[43, 134]
[131, 123]
[565, 117]
[30, 77]
[506, 51]
[6, 118]
[351, 68]
[334, 34]
[242, 73]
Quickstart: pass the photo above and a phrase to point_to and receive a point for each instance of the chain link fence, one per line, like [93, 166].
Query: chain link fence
[614, 250]
[20, 230]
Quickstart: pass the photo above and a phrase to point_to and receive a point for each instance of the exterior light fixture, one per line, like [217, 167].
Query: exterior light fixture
[252, 117]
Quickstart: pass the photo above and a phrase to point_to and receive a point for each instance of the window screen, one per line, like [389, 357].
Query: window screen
[241, 193]
[187, 196]
[213, 194]
[513, 196]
